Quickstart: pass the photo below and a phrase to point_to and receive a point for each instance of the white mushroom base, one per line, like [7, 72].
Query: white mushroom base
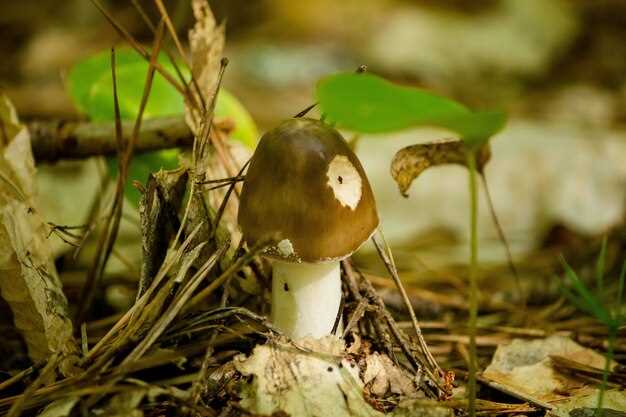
[305, 298]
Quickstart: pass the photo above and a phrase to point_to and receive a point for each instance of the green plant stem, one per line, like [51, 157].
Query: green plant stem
[607, 368]
[473, 286]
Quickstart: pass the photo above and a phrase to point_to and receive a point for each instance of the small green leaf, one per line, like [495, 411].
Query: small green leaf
[369, 104]
[90, 86]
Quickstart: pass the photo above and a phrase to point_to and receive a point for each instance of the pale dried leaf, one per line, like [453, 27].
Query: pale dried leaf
[384, 377]
[60, 408]
[318, 381]
[411, 161]
[614, 405]
[416, 408]
[126, 403]
[524, 367]
[206, 40]
[29, 281]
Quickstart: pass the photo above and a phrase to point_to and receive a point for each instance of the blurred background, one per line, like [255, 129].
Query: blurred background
[557, 67]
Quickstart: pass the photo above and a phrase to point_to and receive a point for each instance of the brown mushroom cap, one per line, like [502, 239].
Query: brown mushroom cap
[307, 189]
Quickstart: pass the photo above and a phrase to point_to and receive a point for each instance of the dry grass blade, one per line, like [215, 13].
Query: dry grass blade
[616, 377]
[175, 307]
[46, 373]
[232, 269]
[107, 239]
[168, 22]
[137, 47]
[19, 376]
[385, 254]
[505, 242]
[174, 255]
[189, 97]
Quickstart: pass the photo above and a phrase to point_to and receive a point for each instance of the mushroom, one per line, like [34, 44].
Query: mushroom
[307, 190]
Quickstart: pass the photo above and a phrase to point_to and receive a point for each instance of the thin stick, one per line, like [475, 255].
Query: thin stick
[505, 242]
[173, 34]
[106, 240]
[137, 47]
[105, 244]
[190, 97]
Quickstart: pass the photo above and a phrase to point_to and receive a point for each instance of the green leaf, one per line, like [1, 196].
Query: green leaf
[90, 86]
[370, 104]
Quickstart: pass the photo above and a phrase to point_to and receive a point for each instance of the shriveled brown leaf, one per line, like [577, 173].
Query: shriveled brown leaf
[384, 377]
[29, 281]
[206, 40]
[525, 368]
[157, 212]
[410, 162]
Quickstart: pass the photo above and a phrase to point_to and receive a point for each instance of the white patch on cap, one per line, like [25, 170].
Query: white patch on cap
[285, 248]
[345, 181]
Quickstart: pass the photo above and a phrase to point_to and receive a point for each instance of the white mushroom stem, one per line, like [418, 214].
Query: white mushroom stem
[305, 298]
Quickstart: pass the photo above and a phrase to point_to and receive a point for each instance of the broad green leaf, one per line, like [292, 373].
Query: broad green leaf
[91, 88]
[369, 104]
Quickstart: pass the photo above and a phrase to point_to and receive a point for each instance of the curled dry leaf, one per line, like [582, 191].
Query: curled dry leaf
[411, 161]
[29, 282]
[206, 41]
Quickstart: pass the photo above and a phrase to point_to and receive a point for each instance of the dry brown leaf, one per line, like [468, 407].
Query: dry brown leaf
[29, 281]
[525, 368]
[163, 197]
[206, 41]
[384, 377]
[411, 161]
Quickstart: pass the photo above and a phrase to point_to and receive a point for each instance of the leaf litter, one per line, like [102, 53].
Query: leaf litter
[195, 342]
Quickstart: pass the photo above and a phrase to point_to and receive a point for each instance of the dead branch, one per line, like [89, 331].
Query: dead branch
[54, 140]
